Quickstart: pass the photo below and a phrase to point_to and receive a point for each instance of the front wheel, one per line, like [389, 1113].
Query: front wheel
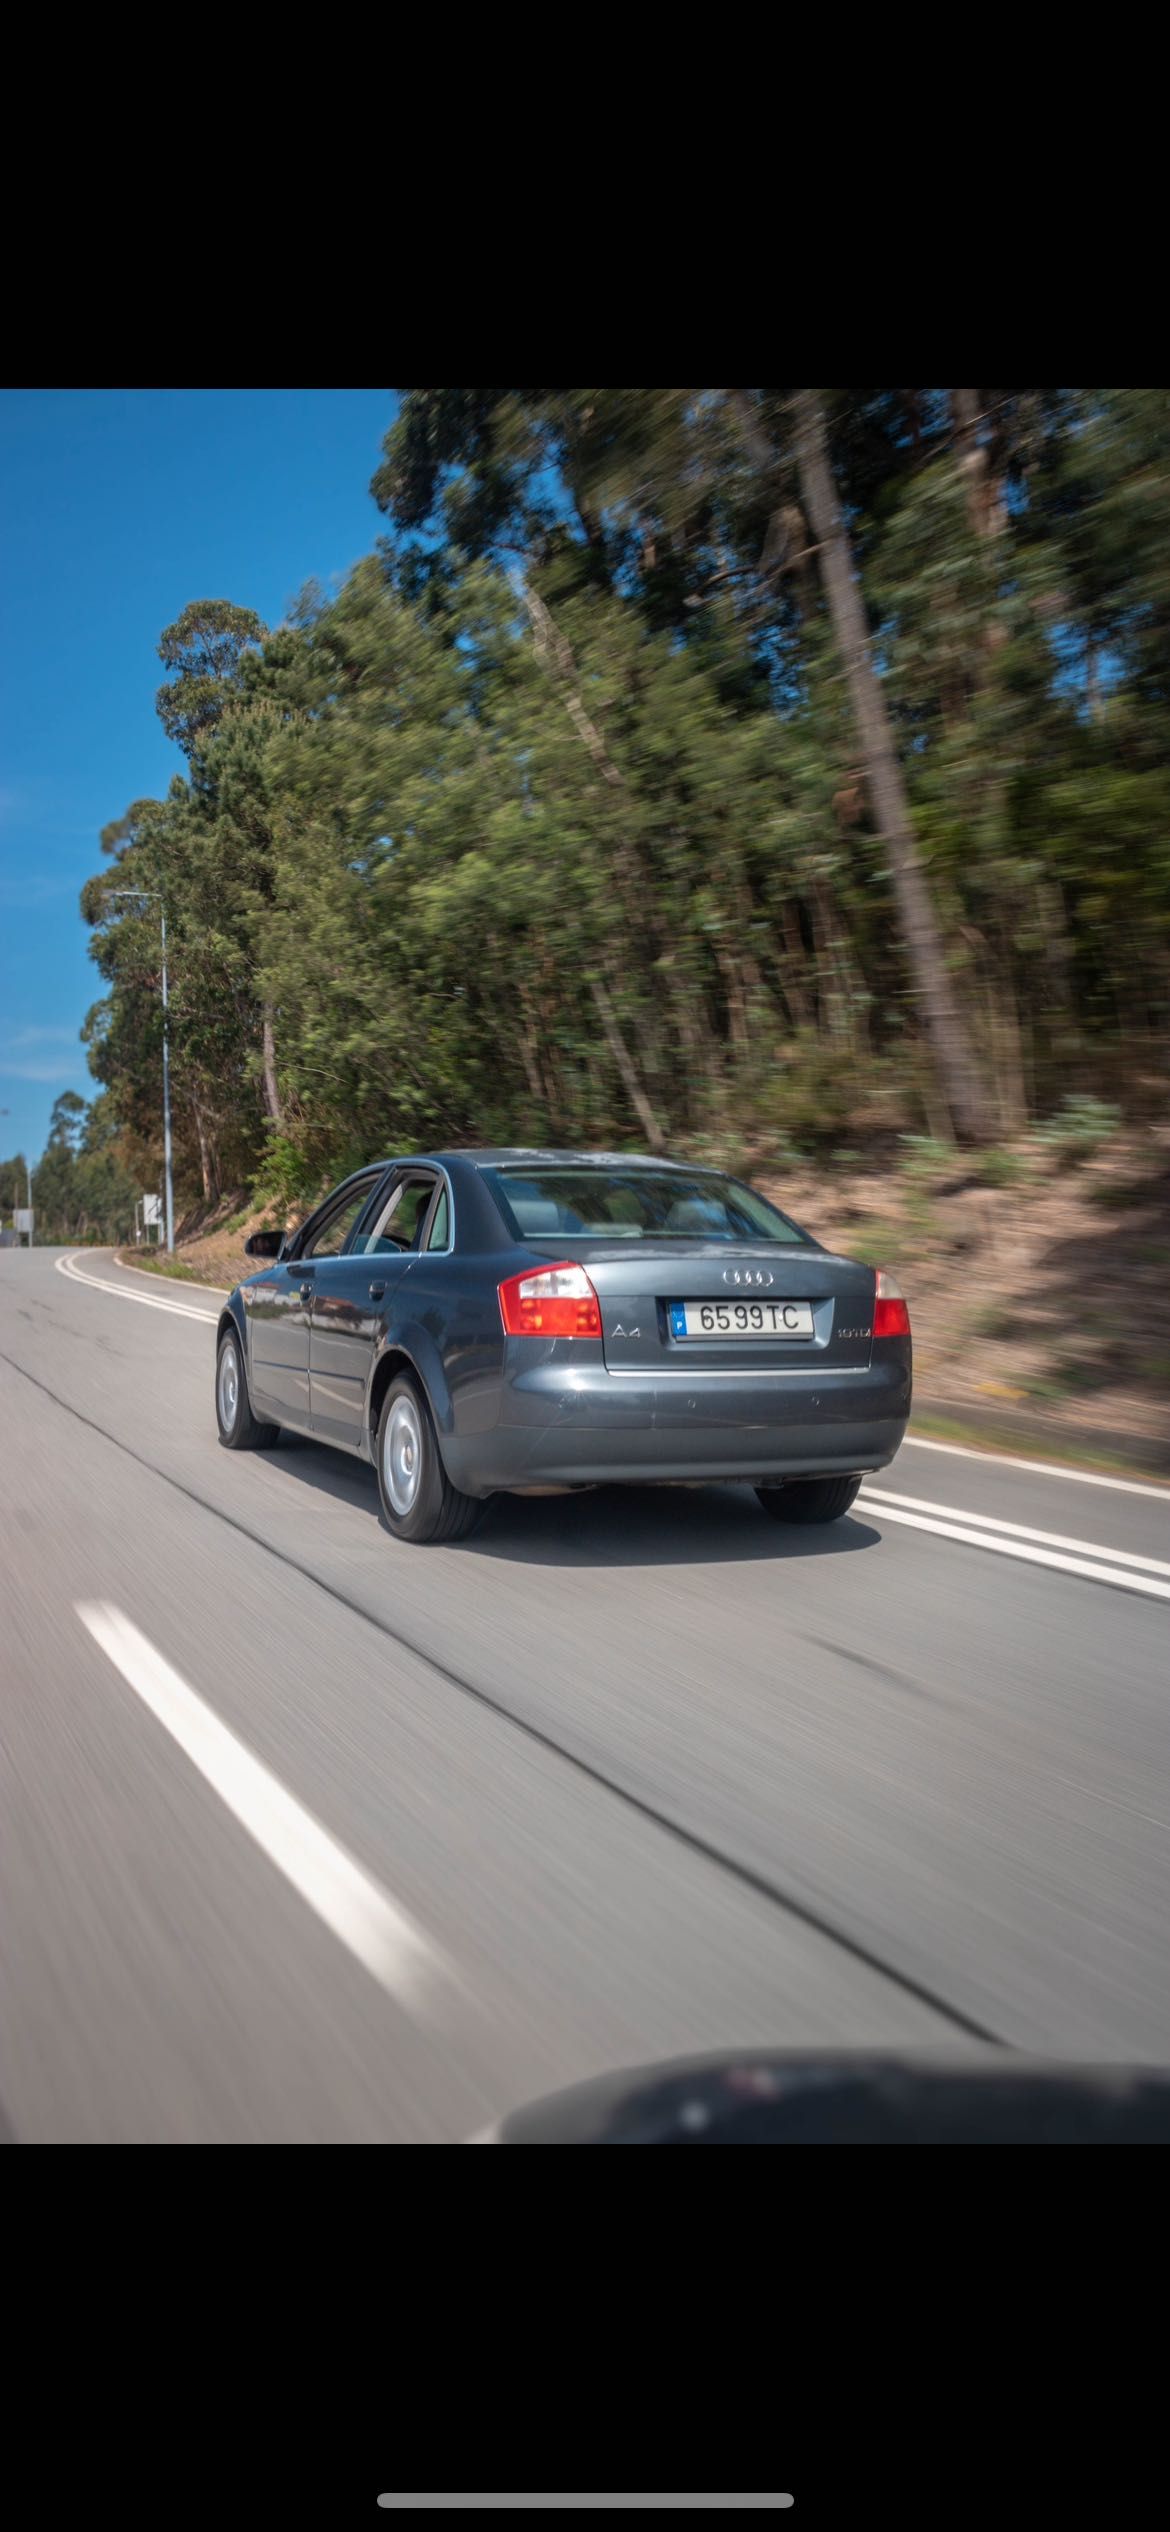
[810, 1498]
[238, 1427]
[419, 1502]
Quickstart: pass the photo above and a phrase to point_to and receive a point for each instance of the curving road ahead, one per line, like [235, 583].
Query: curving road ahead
[305, 1835]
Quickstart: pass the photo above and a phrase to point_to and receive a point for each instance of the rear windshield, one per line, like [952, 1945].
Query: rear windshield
[591, 1201]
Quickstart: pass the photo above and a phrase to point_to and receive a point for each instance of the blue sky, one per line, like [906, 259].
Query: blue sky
[118, 506]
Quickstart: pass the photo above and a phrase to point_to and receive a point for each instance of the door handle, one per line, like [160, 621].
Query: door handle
[376, 1291]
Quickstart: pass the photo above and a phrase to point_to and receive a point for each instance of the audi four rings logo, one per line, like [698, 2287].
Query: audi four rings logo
[754, 1275]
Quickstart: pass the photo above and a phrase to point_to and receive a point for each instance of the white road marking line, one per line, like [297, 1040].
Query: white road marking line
[361, 1914]
[145, 1300]
[1082, 1565]
[1037, 1467]
[1016, 1530]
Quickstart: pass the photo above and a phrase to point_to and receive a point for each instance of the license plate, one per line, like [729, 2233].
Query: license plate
[740, 1318]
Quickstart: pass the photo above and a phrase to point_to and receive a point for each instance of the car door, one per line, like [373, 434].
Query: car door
[278, 1313]
[278, 1345]
[354, 1294]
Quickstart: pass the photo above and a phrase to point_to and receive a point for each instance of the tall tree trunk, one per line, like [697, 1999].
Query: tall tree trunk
[271, 1090]
[627, 1067]
[737, 1020]
[985, 504]
[204, 1152]
[555, 655]
[527, 1043]
[959, 1073]
[553, 652]
[985, 501]
[794, 969]
[973, 460]
[691, 1034]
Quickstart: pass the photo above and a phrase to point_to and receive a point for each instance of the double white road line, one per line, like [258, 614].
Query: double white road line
[146, 1300]
[1032, 1547]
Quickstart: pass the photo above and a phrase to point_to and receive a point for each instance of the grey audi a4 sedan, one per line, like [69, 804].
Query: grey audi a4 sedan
[508, 1321]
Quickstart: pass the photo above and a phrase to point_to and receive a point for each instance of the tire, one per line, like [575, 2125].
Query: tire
[419, 1503]
[810, 1498]
[238, 1428]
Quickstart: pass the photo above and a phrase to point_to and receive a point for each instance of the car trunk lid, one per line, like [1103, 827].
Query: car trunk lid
[639, 1286]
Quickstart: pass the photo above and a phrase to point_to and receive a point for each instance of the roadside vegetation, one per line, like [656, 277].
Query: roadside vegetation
[772, 776]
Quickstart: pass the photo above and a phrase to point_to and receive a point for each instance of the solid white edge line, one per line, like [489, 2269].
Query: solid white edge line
[1036, 1467]
[1081, 1565]
[356, 1909]
[144, 1300]
[1016, 1529]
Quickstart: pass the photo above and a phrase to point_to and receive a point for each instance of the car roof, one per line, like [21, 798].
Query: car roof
[518, 1155]
[491, 1155]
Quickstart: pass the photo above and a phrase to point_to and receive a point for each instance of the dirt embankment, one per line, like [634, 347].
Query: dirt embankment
[1044, 1301]
[1040, 1306]
[209, 1244]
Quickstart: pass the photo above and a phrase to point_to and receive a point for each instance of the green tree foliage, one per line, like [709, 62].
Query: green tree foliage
[13, 1186]
[82, 1187]
[67, 1124]
[206, 648]
[560, 818]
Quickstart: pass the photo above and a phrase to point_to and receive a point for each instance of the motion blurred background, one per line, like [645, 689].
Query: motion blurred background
[772, 776]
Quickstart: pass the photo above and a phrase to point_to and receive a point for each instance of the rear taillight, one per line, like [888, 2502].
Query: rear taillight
[890, 1314]
[555, 1301]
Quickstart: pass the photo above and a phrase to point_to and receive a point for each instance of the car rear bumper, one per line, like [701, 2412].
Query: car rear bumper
[563, 1425]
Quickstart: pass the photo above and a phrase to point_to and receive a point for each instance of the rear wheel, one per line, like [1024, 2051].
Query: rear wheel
[238, 1427]
[810, 1498]
[419, 1502]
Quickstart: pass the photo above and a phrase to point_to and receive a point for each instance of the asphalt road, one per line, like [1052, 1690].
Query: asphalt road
[305, 1835]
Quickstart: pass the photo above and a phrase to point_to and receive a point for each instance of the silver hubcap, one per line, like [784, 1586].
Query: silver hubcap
[402, 1455]
[229, 1387]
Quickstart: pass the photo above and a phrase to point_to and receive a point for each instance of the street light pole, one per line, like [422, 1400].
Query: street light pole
[167, 1097]
[148, 896]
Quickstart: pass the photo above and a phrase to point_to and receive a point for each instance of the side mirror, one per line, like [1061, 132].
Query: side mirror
[264, 1244]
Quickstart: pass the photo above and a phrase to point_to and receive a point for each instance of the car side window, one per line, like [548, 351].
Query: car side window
[335, 1230]
[398, 1226]
[440, 1235]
